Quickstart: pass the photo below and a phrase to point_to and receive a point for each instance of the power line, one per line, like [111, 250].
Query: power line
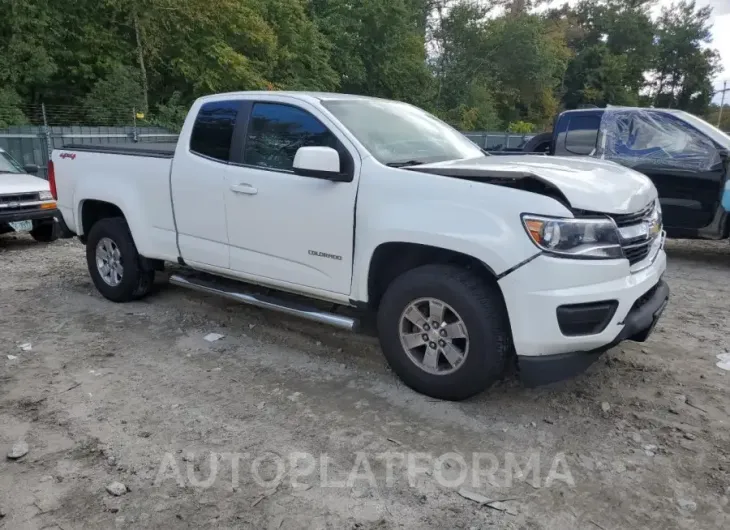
[722, 102]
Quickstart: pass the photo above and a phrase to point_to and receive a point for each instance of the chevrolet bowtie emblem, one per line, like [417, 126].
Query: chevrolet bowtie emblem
[653, 227]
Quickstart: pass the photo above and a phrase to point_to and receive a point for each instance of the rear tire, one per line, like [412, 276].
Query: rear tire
[45, 232]
[129, 280]
[477, 304]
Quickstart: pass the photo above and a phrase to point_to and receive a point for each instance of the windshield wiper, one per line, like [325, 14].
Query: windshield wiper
[406, 163]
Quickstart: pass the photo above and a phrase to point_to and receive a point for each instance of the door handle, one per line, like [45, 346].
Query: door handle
[246, 189]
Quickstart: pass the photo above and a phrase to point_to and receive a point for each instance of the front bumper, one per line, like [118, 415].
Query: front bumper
[638, 325]
[534, 292]
[29, 215]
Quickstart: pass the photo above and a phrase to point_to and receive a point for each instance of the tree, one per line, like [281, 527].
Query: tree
[25, 63]
[476, 63]
[683, 67]
[460, 66]
[380, 47]
[597, 76]
[514, 62]
[11, 112]
[528, 59]
[613, 47]
[713, 116]
[113, 99]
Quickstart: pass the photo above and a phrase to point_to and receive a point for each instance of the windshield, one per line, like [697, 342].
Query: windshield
[8, 164]
[397, 133]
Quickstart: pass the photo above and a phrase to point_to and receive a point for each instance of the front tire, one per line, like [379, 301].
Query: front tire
[45, 232]
[114, 263]
[444, 331]
[539, 144]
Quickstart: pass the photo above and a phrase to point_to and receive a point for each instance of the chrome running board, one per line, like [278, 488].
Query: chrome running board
[265, 302]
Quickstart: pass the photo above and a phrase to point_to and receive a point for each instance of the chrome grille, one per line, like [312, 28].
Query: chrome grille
[636, 248]
[628, 219]
[636, 252]
[18, 202]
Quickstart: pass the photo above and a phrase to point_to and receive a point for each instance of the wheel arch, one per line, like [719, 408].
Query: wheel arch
[391, 259]
[92, 211]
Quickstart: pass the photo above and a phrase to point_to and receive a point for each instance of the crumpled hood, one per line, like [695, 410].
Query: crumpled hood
[588, 184]
[14, 183]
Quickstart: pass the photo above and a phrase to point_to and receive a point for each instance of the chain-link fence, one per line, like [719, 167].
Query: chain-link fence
[30, 132]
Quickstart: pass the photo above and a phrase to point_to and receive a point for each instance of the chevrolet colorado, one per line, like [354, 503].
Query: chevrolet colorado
[334, 207]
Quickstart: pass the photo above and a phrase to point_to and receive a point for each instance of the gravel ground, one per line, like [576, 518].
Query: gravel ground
[133, 420]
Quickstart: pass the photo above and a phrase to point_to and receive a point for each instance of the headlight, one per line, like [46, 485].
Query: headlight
[574, 238]
[45, 196]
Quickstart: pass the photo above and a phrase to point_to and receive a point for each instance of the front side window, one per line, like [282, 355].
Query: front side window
[582, 135]
[653, 138]
[213, 129]
[276, 132]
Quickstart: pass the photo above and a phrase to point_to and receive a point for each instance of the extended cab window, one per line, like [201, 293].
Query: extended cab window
[276, 132]
[582, 134]
[213, 129]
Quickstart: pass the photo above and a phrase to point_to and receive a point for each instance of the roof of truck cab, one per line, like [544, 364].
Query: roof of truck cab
[312, 97]
[722, 138]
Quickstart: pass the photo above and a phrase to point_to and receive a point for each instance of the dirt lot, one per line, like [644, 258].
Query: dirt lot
[133, 394]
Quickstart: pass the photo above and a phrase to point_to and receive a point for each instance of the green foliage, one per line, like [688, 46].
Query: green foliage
[114, 98]
[474, 66]
[521, 127]
[519, 60]
[714, 116]
[684, 67]
[476, 113]
[378, 47]
[613, 49]
[170, 114]
[11, 112]
[597, 76]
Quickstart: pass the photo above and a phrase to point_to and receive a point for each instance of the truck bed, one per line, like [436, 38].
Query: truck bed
[150, 149]
[134, 177]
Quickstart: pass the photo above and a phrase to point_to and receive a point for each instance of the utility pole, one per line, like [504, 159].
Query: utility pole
[722, 103]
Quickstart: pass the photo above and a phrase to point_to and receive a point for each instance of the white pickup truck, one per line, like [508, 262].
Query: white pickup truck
[26, 203]
[335, 207]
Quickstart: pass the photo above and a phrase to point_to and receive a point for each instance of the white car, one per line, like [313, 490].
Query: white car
[26, 202]
[348, 206]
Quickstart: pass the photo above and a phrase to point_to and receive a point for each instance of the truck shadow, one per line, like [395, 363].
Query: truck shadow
[715, 253]
[12, 241]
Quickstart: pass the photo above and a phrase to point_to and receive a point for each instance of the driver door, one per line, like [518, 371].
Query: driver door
[285, 227]
[683, 164]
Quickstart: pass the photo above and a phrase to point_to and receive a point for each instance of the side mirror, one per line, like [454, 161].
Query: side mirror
[320, 163]
[31, 169]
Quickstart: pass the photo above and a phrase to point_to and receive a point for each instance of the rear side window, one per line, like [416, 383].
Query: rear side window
[213, 129]
[277, 131]
[582, 134]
